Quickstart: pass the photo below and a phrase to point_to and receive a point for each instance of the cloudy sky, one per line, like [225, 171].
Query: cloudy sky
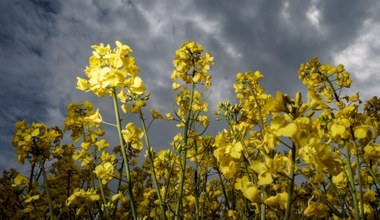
[45, 44]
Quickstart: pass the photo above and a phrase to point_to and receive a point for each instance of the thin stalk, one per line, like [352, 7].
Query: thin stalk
[110, 124]
[196, 193]
[361, 199]
[352, 184]
[150, 157]
[104, 199]
[91, 183]
[262, 189]
[197, 177]
[125, 158]
[335, 211]
[51, 213]
[118, 186]
[31, 177]
[184, 155]
[204, 189]
[377, 181]
[291, 182]
[246, 210]
[226, 203]
[197, 182]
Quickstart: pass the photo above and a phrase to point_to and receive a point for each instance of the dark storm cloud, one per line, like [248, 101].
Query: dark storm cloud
[45, 45]
[275, 37]
[25, 28]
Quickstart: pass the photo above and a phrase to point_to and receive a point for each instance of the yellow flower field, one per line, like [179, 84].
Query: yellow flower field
[307, 156]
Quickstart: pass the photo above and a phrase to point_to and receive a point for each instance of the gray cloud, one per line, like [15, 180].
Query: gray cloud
[45, 46]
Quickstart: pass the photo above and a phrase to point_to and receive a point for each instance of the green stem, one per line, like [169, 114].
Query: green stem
[291, 182]
[340, 199]
[197, 180]
[104, 199]
[118, 186]
[262, 130]
[150, 157]
[125, 158]
[183, 152]
[31, 178]
[352, 183]
[373, 175]
[110, 124]
[226, 202]
[360, 180]
[51, 213]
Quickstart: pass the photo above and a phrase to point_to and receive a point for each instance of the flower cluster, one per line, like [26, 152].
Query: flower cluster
[109, 69]
[81, 116]
[279, 157]
[191, 65]
[35, 142]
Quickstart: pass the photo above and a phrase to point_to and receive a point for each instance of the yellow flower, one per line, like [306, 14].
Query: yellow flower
[279, 199]
[104, 172]
[83, 84]
[169, 116]
[137, 106]
[35, 142]
[265, 177]
[230, 169]
[132, 136]
[204, 120]
[58, 151]
[369, 196]
[87, 161]
[340, 127]
[176, 86]
[80, 194]
[191, 65]
[111, 69]
[31, 199]
[361, 131]
[249, 190]
[316, 209]
[123, 49]
[234, 149]
[20, 180]
[372, 151]
[107, 157]
[137, 85]
[119, 196]
[156, 114]
[340, 180]
[231, 214]
[94, 118]
[101, 144]
[288, 131]
[315, 101]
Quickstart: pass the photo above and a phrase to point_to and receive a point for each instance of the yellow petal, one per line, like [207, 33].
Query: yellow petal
[288, 131]
[35, 132]
[32, 198]
[340, 180]
[236, 150]
[316, 209]
[337, 129]
[360, 132]
[252, 193]
[265, 179]
[93, 197]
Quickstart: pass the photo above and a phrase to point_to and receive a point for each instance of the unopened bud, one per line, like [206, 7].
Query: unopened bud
[298, 100]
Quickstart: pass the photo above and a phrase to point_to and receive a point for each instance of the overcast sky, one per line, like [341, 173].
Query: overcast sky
[44, 46]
